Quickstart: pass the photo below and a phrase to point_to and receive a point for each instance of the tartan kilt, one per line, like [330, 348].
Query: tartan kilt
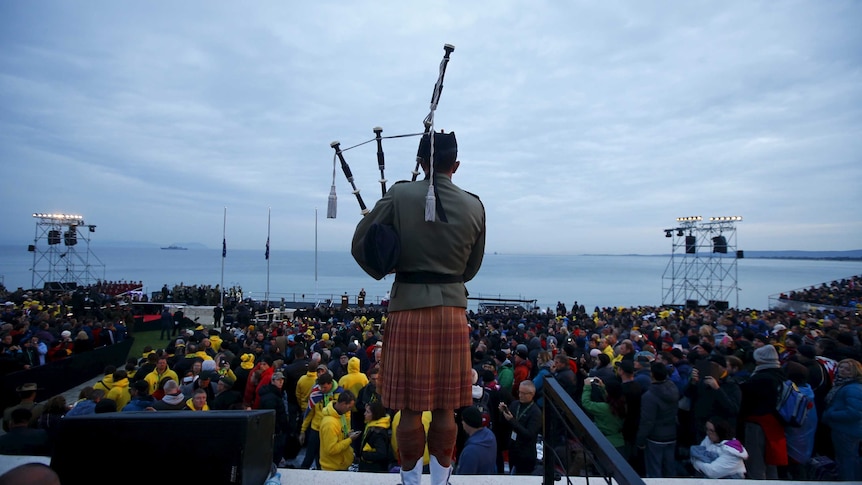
[425, 363]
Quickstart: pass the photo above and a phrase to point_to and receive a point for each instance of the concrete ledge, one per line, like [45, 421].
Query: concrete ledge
[292, 476]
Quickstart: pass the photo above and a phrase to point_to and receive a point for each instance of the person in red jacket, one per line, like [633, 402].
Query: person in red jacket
[523, 366]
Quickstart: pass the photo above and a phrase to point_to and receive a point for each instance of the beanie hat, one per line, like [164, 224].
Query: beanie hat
[797, 372]
[208, 365]
[627, 366]
[718, 359]
[472, 417]
[766, 355]
[658, 371]
[807, 351]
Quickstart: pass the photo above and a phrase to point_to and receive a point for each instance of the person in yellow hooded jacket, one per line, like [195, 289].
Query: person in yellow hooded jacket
[336, 437]
[354, 381]
[120, 392]
[426, 423]
[322, 395]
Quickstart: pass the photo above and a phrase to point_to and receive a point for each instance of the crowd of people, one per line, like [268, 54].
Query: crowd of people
[35, 333]
[845, 293]
[677, 392]
[197, 295]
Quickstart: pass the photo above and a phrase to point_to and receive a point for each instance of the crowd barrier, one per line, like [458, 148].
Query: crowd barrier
[59, 376]
[803, 306]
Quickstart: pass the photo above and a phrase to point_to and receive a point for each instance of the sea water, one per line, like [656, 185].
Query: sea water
[308, 276]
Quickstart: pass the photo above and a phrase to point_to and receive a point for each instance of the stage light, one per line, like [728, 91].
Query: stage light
[92, 228]
[679, 233]
[668, 233]
[726, 219]
[62, 218]
[689, 219]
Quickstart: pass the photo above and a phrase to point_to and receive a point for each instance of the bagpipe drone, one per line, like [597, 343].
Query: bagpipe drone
[428, 123]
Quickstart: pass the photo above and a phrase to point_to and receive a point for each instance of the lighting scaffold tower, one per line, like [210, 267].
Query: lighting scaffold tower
[62, 259]
[702, 270]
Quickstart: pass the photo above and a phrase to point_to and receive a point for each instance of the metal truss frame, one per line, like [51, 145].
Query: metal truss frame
[63, 263]
[696, 272]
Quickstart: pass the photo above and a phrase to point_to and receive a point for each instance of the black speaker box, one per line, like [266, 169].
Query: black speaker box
[719, 305]
[690, 245]
[212, 447]
[719, 244]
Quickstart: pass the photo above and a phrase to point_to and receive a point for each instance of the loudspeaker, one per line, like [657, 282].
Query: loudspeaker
[690, 245]
[719, 245]
[691, 304]
[31, 248]
[212, 447]
[53, 237]
[71, 237]
[740, 254]
[60, 286]
[718, 304]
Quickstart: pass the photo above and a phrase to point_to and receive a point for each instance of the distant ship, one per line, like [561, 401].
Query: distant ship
[174, 246]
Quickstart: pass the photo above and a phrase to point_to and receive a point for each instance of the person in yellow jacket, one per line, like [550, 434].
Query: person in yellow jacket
[120, 392]
[354, 381]
[107, 380]
[336, 437]
[198, 401]
[160, 372]
[321, 396]
[426, 422]
[306, 382]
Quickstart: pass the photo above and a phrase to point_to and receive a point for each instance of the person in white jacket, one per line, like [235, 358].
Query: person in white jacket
[720, 454]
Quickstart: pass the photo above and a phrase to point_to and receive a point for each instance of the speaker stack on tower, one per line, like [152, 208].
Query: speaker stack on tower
[690, 245]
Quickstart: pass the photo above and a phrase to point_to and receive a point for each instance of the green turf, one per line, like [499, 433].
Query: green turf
[142, 339]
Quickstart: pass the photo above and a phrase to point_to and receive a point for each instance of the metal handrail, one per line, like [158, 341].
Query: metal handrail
[561, 409]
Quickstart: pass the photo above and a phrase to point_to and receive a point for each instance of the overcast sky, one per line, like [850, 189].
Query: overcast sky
[585, 127]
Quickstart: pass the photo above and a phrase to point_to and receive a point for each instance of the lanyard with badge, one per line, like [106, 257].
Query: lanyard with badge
[518, 416]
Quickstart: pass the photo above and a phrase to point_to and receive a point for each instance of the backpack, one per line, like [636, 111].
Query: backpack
[792, 405]
[483, 407]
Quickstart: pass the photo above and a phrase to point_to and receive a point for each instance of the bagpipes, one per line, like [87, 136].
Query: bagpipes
[428, 123]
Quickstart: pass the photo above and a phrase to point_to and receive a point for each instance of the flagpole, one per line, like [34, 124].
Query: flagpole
[268, 219]
[223, 254]
[316, 296]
